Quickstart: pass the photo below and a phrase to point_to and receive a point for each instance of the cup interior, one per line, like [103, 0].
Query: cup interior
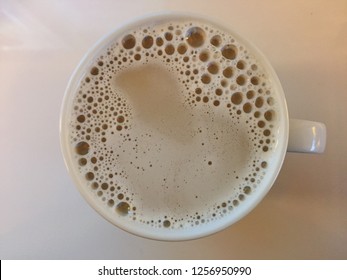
[260, 184]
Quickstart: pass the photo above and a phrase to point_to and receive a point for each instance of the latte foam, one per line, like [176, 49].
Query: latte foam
[173, 125]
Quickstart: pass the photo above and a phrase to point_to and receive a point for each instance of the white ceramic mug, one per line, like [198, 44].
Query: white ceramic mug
[288, 135]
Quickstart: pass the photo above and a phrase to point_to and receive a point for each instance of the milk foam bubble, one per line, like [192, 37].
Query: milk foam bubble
[172, 126]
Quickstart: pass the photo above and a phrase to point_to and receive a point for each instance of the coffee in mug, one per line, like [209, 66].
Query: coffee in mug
[174, 127]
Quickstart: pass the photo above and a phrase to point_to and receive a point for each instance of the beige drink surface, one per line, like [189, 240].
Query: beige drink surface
[173, 125]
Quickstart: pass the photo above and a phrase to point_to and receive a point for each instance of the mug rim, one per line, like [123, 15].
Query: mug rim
[173, 235]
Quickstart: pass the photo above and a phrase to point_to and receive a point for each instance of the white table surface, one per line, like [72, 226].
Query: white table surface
[42, 215]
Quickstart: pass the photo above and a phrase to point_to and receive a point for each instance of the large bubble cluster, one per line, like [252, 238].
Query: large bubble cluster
[218, 77]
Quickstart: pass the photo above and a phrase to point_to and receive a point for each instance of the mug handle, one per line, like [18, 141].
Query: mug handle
[306, 136]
